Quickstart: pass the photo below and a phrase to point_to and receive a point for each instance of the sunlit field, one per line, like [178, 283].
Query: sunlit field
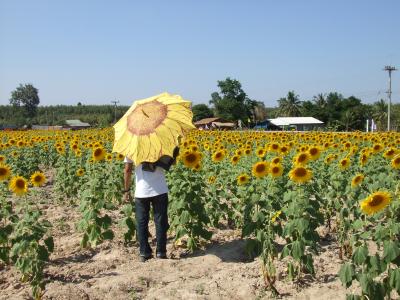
[286, 193]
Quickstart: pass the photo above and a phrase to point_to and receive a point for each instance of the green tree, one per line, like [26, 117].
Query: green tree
[380, 115]
[232, 102]
[201, 111]
[26, 96]
[290, 106]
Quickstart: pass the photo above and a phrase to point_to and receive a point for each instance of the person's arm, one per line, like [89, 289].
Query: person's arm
[127, 181]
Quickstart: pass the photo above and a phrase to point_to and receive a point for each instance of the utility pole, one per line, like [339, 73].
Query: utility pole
[389, 69]
[115, 110]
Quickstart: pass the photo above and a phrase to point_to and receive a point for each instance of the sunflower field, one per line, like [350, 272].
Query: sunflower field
[286, 192]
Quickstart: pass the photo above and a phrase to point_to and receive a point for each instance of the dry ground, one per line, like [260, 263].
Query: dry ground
[112, 271]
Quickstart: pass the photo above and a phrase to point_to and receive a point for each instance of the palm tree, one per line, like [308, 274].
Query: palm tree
[290, 106]
[320, 101]
[380, 114]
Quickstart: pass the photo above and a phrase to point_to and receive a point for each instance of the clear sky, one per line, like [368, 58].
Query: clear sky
[95, 51]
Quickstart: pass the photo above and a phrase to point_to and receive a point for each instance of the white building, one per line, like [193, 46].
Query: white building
[297, 123]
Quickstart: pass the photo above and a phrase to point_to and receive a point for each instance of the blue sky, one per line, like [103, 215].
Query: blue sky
[98, 51]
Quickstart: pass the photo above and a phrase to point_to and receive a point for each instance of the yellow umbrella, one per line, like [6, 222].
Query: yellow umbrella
[151, 127]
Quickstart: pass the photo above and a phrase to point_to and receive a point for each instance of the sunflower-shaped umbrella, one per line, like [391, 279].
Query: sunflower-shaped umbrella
[151, 127]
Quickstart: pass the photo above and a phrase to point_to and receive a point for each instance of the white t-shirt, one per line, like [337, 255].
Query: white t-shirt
[149, 184]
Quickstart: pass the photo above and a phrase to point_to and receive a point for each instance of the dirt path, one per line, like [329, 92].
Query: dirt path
[113, 271]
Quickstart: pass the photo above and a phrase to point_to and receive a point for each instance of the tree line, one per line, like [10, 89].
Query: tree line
[230, 103]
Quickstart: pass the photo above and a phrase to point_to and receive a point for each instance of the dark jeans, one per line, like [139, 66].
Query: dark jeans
[160, 208]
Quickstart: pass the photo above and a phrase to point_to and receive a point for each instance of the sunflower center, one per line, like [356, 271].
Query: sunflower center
[260, 168]
[302, 157]
[3, 171]
[397, 160]
[191, 158]
[275, 170]
[20, 184]
[98, 152]
[376, 200]
[300, 172]
[37, 178]
[145, 118]
[313, 151]
[218, 155]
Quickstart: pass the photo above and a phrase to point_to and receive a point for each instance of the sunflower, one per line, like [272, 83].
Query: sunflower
[260, 169]
[243, 179]
[235, 159]
[239, 152]
[363, 159]
[375, 202]
[109, 157]
[5, 172]
[396, 162]
[275, 216]
[247, 151]
[357, 180]
[191, 159]
[38, 178]
[302, 158]
[80, 172]
[377, 148]
[98, 154]
[2, 159]
[314, 152]
[344, 164]
[211, 179]
[274, 147]
[218, 156]
[300, 174]
[18, 185]
[120, 156]
[276, 170]
[276, 160]
[260, 152]
[197, 167]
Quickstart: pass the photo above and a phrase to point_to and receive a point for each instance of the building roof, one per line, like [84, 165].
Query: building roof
[220, 124]
[206, 121]
[285, 121]
[76, 123]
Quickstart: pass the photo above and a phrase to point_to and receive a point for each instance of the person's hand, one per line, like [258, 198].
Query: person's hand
[127, 197]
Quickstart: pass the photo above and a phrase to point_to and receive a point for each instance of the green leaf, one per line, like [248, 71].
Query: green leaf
[367, 284]
[360, 255]
[107, 235]
[394, 279]
[49, 242]
[346, 274]
[291, 273]
[390, 251]
[185, 217]
[376, 265]
[298, 250]
[42, 253]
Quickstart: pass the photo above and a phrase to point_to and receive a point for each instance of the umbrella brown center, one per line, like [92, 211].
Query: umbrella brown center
[145, 118]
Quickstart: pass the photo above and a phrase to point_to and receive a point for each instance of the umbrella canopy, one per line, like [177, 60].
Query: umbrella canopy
[151, 127]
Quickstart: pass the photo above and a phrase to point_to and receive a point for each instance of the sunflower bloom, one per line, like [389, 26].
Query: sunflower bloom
[235, 159]
[80, 172]
[98, 154]
[243, 179]
[276, 160]
[191, 159]
[260, 169]
[2, 158]
[18, 185]
[344, 164]
[38, 179]
[300, 174]
[275, 216]
[218, 156]
[302, 158]
[315, 153]
[396, 162]
[375, 202]
[5, 172]
[357, 180]
[211, 179]
[260, 152]
[276, 170]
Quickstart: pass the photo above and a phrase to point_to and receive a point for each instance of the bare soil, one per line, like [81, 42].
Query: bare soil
[113, 271]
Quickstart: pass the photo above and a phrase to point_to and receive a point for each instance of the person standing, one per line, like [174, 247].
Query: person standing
[150, 189]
